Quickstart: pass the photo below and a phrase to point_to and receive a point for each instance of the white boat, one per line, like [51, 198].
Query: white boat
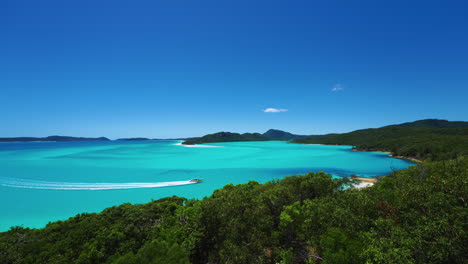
[196, 180]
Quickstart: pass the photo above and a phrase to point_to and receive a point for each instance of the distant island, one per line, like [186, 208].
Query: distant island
[134, 139]
[272, 134]
[73, 139]
[51, 139]
[226, 137]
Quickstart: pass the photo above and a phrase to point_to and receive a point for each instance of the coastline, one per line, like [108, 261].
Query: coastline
[368, 182]
[415, 160]
[412, 159]
[364, 182]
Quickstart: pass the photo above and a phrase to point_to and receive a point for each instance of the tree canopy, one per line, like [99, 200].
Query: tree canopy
[226, 137]
[432, 138]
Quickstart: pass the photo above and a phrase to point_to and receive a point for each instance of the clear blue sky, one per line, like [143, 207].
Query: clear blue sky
[186, 68]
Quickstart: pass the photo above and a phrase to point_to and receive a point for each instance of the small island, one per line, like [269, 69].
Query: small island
[272, 134]
[51, 139]
[134, 139]
[226, 137]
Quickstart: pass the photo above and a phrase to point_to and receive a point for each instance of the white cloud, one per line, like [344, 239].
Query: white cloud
[338, 87]
[274, 110]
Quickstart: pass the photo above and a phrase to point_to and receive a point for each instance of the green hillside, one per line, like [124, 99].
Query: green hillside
[435, 123]
[275, 134]
[432, 138]
[226, 137]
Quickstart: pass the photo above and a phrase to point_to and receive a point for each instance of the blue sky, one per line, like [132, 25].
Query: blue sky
[186, 68]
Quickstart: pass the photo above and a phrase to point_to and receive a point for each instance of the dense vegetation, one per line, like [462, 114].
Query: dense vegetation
[51, 138]
[435, 123]
[431, 138]
[226, 137]
[418, 215]
[272, 134]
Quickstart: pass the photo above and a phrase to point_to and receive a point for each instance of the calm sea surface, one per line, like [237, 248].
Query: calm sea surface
[42, 182]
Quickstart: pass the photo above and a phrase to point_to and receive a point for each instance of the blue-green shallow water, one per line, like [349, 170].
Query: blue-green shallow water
[42, 182]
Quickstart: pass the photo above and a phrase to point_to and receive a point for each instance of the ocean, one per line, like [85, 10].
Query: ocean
[42, 182]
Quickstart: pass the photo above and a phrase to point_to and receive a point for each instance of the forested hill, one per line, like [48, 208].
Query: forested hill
[416, 215]
[272, 134]
[435, 123]
[275, 134]
[51, 138]
[430, 138]
[226, 137]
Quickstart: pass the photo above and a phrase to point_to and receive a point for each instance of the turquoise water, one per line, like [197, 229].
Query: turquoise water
[42, 182]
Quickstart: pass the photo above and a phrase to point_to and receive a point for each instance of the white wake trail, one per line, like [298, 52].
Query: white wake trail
[31, 184]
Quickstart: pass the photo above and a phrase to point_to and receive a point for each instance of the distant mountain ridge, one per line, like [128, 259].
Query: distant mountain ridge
[51, 139]
[434, 123]
[134, 139]
[275, 134]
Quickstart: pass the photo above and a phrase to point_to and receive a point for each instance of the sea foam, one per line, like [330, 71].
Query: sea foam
[47, 185]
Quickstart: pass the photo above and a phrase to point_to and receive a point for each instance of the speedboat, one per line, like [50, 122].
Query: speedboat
[196, 180]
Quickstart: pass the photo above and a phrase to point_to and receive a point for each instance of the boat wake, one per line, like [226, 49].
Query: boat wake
[46, 185]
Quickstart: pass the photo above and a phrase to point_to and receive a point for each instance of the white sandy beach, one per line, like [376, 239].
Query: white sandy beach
[363, 185]
[196, 146]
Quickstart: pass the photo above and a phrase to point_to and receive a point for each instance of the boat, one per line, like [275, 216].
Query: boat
[196, 180]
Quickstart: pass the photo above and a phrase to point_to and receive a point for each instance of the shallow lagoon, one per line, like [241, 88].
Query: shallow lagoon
[47, 181]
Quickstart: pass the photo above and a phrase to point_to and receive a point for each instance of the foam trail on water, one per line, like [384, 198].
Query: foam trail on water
[31, 184]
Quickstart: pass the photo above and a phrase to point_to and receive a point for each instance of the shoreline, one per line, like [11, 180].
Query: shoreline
[368, 182]
[194, 145]
[364, 182]
[391, 155]
[415, 160]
